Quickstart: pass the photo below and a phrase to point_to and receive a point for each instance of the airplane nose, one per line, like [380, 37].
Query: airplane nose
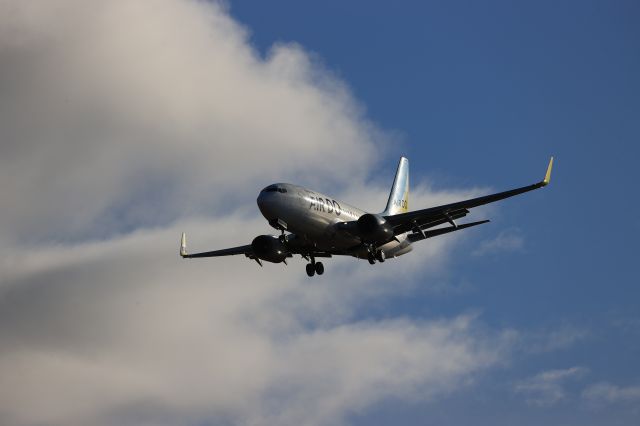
[270, 200]
[261, 199]
[264, 203]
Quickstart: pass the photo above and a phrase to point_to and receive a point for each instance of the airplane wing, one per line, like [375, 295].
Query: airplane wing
[427, 218]
[246, 250]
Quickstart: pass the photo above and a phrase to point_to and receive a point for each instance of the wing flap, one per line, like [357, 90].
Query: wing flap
[440, 231]
[427, 222]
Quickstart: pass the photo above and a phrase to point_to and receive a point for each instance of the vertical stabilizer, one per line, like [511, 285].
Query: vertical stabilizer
[399, 197]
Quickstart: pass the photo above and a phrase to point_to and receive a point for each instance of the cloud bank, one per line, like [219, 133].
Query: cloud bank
[506, 241]
[125, 113]
[124, 123]
[547, 388]
[602, 393]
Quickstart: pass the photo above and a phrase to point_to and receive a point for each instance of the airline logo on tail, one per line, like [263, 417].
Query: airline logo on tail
[399, 197]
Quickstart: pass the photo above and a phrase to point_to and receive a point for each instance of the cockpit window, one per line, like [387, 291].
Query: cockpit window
[275, 188]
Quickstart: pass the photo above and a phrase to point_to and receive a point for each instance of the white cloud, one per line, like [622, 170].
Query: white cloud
[628, 325]
[553, 339]
[131, 332]
[123, 122]
[548, 388]
[119, 114]
[601, 393]
[505, 241]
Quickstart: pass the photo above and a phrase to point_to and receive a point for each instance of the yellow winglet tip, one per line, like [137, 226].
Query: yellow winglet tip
[547, 176]
[183, 245]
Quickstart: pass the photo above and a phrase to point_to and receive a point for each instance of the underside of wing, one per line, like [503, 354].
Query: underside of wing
[246, 250]
[423, 235]
[425, 221]
[261, 249]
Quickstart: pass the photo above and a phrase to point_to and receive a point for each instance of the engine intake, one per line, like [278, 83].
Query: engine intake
[373, 228]
[269, 248]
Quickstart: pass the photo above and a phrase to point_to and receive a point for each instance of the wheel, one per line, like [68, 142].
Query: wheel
[319, 268]
[380, 256]
[311, 270]
[371, 259]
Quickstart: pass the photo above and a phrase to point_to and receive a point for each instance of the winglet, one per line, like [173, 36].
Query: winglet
[183, 245]
[547, 176]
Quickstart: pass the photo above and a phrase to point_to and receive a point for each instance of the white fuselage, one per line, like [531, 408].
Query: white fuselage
[314, 217]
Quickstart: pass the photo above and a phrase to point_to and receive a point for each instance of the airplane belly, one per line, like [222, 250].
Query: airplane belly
[397, 249]
[317, 229]
[321, 232]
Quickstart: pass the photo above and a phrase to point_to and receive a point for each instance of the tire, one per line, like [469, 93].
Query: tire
[372, 260]
[380, 256]
[310, 269]
[319, 268]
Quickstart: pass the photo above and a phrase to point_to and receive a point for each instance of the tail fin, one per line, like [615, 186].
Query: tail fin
[399, 197]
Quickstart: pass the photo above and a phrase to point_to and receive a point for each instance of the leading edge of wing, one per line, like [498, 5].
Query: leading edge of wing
[246, 250]
[408, 217]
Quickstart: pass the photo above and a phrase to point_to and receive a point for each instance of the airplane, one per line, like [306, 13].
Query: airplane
[314, 225]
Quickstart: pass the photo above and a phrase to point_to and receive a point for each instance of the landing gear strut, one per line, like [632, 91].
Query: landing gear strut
[314, 267]
[376, 255]
[371, 257]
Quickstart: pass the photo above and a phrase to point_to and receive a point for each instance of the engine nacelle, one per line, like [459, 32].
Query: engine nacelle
[269, 248]
[373, 228]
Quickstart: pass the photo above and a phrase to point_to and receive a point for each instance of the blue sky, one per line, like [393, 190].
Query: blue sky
[481, 93]
[126, 123]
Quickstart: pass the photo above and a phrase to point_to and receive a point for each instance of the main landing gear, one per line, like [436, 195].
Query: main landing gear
[376, 255]
[315, 268]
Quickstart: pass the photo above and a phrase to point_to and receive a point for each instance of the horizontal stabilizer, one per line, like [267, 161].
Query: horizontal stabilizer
[435, 232]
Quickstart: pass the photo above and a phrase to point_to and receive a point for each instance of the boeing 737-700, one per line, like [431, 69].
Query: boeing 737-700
[314, 225]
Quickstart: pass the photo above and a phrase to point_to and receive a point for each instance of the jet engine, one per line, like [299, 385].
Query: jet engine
[373, 228]
[269, 248]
